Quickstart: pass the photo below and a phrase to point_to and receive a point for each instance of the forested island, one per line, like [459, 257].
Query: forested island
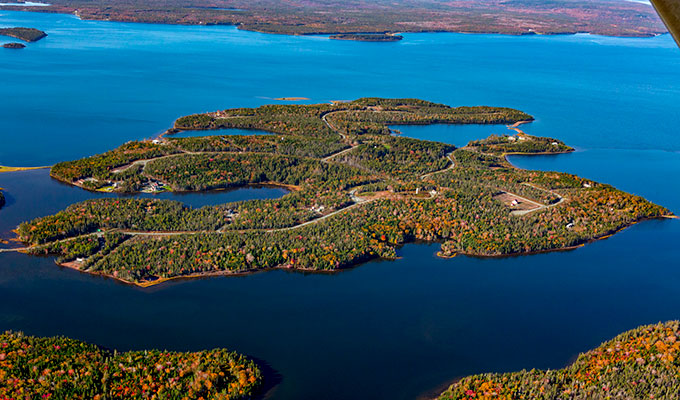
[2, 198]
[357, 192]
[13, 46]
[368, 37]
[25, 34]
[62, 368]
[297, 17]
[643, 363]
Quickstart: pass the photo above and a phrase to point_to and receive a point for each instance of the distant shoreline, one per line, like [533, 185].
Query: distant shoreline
[51, 9]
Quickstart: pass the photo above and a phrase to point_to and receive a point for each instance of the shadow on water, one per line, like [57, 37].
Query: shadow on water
[271, 378]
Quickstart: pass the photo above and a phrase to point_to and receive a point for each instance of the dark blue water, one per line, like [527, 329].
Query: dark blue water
[385, 329]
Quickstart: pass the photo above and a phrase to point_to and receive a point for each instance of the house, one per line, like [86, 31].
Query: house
[514, 202]
[156, 141]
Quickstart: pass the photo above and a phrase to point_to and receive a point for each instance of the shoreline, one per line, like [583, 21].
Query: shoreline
[246, 27]
[287, 267]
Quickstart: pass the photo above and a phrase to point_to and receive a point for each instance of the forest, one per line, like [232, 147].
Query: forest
[357, 191]
[520, 143]
[642, 363]
[62, 368]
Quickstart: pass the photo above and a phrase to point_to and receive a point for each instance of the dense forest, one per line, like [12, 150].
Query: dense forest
[357, 191]
[61, 368]
[520, 143]
[643, 363]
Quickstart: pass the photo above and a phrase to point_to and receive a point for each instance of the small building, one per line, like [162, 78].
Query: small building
[514, 202]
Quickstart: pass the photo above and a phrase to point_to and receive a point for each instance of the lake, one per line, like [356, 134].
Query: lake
[400, 329]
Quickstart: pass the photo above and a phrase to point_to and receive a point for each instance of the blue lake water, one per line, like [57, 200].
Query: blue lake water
[385, 329]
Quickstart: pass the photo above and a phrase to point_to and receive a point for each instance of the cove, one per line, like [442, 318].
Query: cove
[457, 135]
[32, 194]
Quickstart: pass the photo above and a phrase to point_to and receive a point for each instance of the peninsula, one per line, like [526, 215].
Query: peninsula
[368, 37]
[638, 364]
[25, 34]
[357, 192]
[62, 368]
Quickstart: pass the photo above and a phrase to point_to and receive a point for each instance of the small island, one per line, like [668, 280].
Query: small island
[25, 34]
[638, 364]
[357, 192]
[2, 198]
[63, 368]
[368, 37]
[13, 46]
[291, 98]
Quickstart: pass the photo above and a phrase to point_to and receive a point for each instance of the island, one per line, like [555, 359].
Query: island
[2, 198]
[368, 37]
[25, 34]
[357, 192]
[291, 98]
[13, 46]
[63, 368]
[639, 364]
[320, 17]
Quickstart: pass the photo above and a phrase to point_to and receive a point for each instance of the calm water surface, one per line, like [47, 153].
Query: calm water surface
[385, 329]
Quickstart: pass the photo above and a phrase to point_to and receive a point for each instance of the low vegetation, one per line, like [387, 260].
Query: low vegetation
[61, 368]
[643, 363]
[356, 192]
